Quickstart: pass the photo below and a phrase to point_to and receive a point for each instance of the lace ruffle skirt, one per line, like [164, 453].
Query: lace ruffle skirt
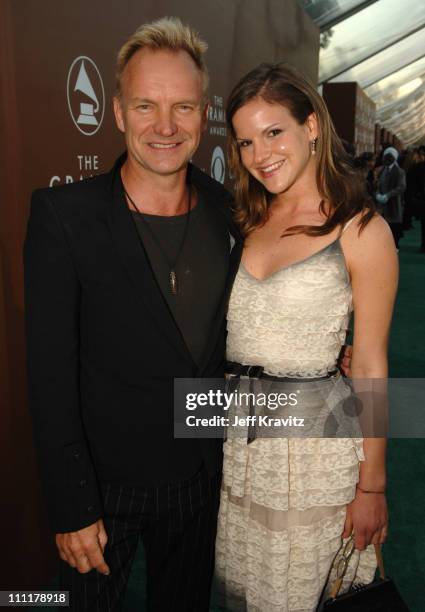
[281, 518]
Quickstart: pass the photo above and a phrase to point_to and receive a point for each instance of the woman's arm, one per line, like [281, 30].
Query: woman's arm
[373, 265]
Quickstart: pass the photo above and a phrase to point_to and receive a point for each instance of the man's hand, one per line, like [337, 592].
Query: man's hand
[344, 362]
[84, 549]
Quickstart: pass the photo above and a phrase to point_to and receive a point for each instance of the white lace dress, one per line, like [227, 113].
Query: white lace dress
[283, 500]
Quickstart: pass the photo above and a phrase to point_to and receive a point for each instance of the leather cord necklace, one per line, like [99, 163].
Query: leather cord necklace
[172, 276]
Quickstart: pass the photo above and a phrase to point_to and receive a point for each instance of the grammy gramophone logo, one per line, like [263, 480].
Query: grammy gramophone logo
[86, 95]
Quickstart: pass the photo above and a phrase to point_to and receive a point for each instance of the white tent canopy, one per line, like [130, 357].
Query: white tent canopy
[380, 44]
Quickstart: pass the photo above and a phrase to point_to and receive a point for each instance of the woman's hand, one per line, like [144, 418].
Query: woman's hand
[367, 516]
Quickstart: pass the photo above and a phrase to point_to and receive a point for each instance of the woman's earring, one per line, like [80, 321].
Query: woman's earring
[313, 146]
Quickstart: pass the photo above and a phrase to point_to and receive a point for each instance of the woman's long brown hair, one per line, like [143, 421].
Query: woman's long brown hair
[340, 186]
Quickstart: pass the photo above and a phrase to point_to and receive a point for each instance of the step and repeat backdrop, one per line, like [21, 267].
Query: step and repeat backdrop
[64, 56]
[57, 64]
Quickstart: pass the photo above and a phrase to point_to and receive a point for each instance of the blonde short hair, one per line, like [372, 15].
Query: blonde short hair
[167, 33]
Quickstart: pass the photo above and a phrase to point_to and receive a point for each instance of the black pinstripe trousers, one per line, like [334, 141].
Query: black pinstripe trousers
[177, 524]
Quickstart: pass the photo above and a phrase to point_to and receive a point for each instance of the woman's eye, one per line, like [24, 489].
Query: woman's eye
[275, 132]
[242, 144]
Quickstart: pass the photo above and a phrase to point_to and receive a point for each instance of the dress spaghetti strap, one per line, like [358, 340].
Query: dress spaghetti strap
[346, 226]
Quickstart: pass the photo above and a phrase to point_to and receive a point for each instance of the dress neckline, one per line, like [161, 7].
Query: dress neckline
[294, 263]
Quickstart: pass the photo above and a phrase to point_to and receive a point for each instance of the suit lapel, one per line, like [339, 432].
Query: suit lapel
[133, 256]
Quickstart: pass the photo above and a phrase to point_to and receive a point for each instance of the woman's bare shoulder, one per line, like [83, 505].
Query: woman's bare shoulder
[373, 242]
[375, 232]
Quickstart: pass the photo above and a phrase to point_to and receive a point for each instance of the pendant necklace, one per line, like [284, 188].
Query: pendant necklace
[172, 275]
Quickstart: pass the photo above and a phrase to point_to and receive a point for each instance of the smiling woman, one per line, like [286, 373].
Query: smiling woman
[314, 251]
[294, 110]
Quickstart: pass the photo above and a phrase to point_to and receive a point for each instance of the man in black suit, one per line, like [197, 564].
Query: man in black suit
[127, 277]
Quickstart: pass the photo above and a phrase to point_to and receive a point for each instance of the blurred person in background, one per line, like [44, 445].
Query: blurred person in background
[417, 185]
[391, 187]
[409, 165]
[370, 159]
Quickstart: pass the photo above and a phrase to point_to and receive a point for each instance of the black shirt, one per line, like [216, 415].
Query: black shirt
[201, 268]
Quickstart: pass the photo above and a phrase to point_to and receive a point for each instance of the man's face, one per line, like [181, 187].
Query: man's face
[388, 159]
[161, 110]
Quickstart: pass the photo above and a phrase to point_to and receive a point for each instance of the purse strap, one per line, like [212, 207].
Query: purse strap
[337, 583]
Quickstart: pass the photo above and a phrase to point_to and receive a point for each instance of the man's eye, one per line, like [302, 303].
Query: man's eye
[185, 107]
[143, 107]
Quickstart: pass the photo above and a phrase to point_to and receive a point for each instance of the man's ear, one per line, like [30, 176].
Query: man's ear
[119, 119]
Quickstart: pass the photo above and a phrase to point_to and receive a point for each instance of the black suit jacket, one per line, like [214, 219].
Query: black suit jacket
[103, 347]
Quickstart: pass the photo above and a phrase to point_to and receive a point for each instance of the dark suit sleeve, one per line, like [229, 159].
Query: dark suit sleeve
[52, 297]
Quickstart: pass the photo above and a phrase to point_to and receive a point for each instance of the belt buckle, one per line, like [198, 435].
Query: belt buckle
[255, 371]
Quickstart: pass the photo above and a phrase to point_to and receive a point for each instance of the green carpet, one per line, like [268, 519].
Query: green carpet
[404, 552]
